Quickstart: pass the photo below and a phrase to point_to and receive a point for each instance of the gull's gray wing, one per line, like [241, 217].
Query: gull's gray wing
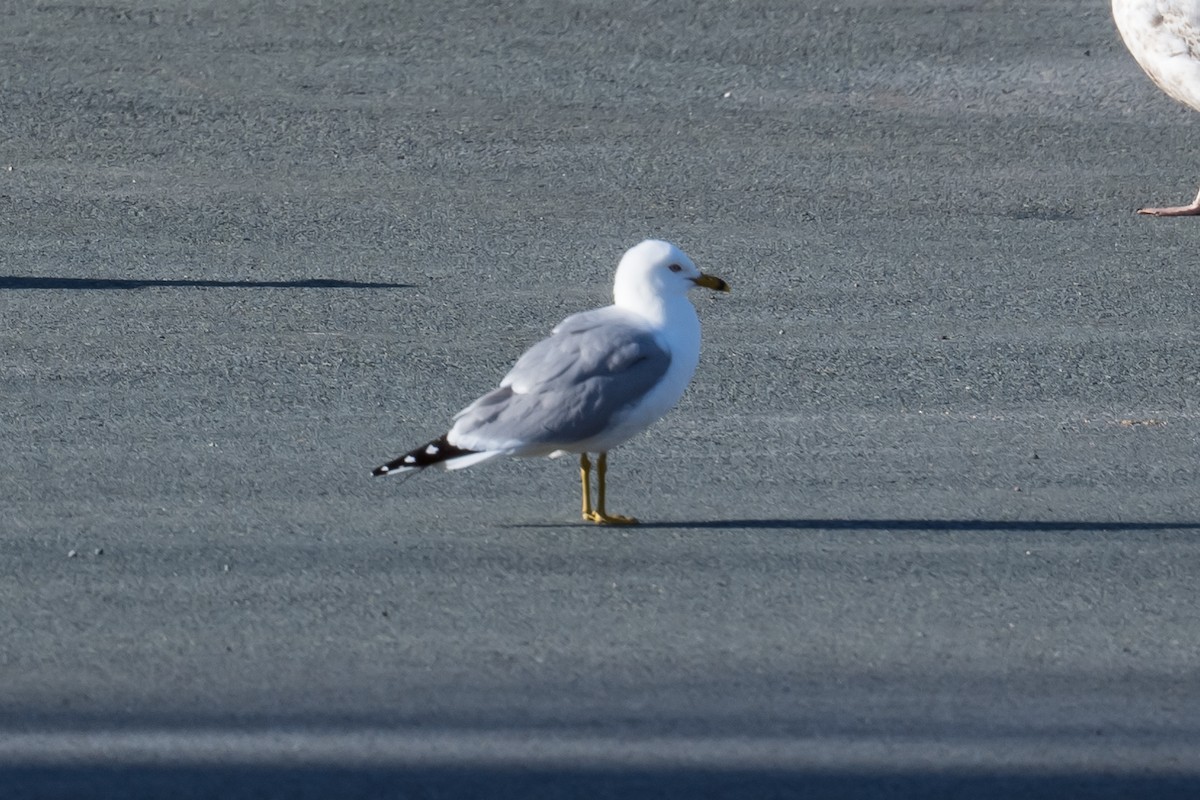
[567, 387]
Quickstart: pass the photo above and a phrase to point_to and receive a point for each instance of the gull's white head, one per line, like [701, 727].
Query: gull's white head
[654, 272]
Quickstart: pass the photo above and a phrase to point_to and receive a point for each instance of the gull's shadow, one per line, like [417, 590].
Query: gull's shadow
[1001, 525]
[42, 282]
[1007, 525]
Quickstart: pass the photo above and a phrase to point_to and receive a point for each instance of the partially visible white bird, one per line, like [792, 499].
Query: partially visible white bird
[1164, 37]
[600, 378]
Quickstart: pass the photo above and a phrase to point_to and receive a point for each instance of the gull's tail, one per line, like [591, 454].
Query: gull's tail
[438, 453]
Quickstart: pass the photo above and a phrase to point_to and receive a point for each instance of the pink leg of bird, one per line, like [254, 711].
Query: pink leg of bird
[1192, 210]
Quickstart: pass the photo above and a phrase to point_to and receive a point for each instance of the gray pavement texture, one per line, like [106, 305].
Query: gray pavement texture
[924, 525]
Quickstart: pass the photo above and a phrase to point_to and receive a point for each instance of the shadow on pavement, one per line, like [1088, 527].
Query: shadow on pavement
[928, 525]
[536, 783]
[1008, 525]
[35, 282]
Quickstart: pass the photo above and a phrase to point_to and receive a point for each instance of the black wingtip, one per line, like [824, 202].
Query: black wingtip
[426, 455]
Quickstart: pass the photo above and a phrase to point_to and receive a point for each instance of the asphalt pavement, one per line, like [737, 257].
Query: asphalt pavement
[925, 524]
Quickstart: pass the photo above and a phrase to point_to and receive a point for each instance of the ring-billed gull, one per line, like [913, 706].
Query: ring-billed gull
[1164, 38]
[601, 377]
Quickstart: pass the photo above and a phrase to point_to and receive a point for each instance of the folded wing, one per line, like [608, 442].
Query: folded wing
[567, 387]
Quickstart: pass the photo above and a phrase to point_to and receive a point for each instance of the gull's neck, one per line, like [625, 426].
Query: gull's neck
[659, 311]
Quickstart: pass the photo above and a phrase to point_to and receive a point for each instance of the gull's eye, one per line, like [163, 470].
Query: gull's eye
[675, 268]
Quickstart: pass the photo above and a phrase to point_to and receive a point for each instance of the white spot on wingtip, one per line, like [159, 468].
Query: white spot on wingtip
[409, 460]
[432, 449]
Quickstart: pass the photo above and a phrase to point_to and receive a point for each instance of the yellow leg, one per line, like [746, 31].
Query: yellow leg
[585, 471]
[599, 514]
